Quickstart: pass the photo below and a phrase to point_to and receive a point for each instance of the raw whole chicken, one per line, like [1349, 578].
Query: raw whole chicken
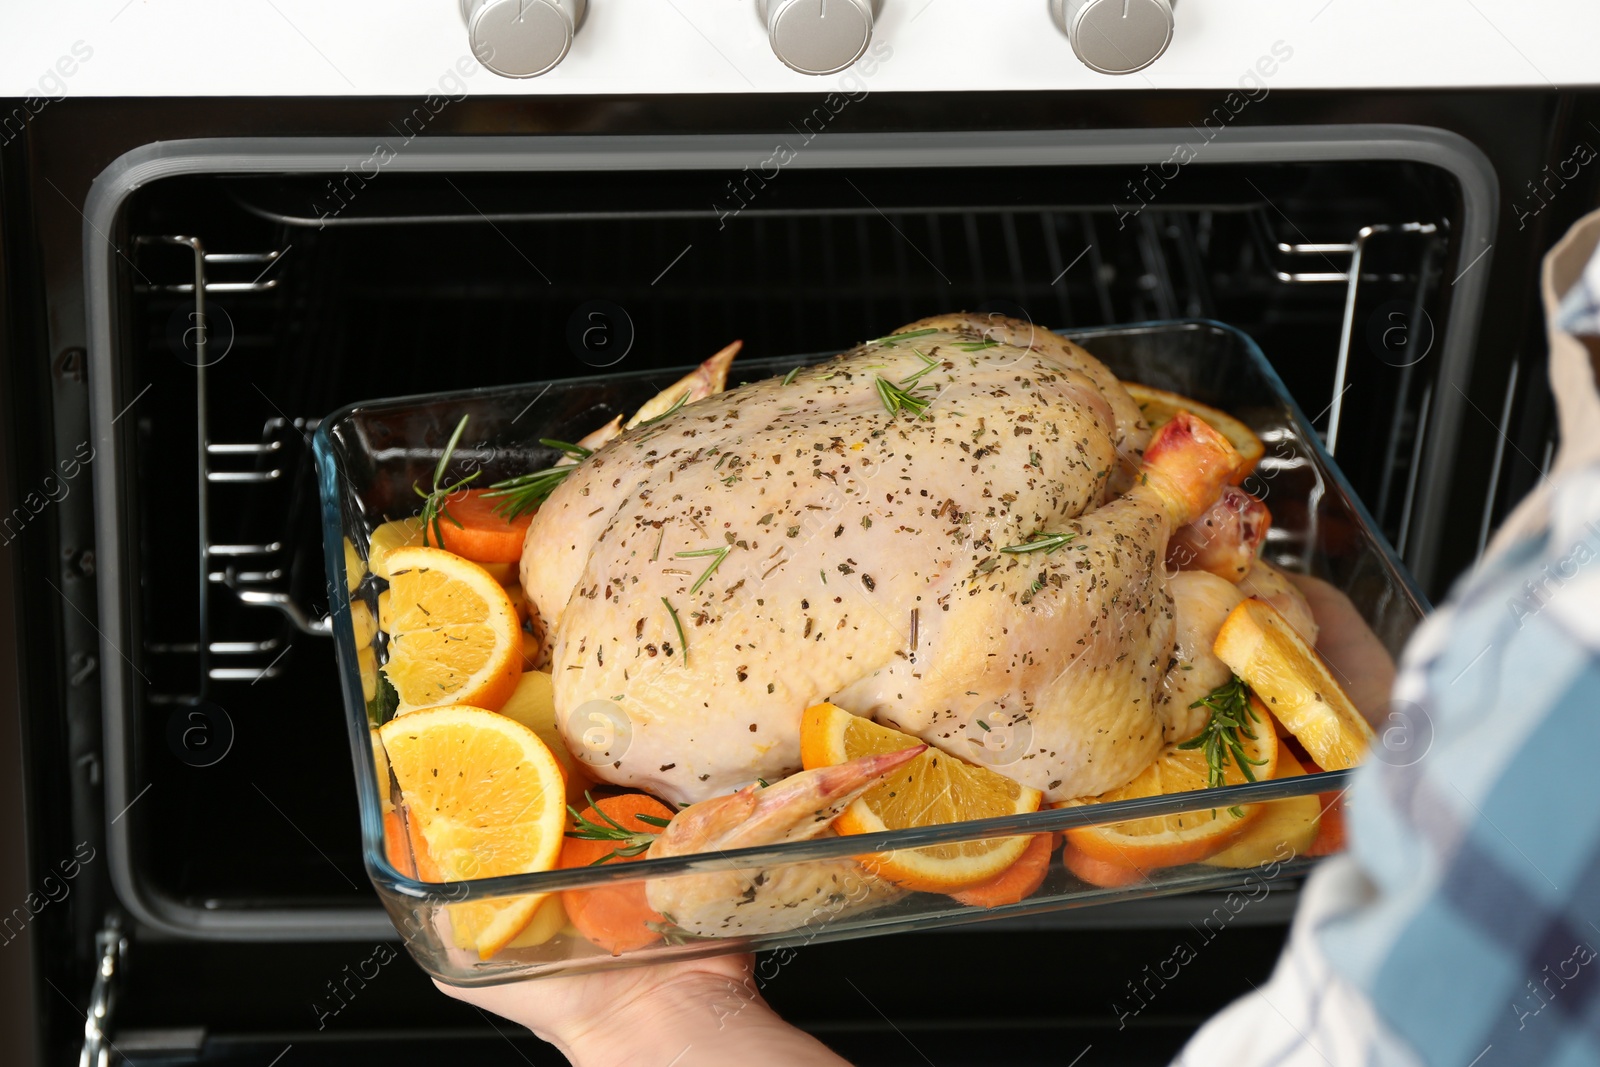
[956, 530]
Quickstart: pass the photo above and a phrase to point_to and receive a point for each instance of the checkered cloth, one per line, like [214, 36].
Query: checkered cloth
[1461, 927]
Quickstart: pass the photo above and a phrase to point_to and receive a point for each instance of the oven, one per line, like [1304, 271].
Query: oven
[188, 284]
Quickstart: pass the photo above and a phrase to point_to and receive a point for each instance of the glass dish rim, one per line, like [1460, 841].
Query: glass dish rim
[389, 879]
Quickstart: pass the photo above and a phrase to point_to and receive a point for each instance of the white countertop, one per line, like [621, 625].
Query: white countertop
[55, 48]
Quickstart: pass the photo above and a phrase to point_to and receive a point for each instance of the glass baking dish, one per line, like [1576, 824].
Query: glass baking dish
[369, 455]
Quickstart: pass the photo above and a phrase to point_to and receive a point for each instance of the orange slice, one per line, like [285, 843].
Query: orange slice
[454, 636]
[1294, 683]
[548, 918]
[933, 789]
[1170, 840]
[1158, 407]
[488, 799]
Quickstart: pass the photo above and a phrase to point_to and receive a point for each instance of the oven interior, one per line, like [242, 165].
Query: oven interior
[319, 290]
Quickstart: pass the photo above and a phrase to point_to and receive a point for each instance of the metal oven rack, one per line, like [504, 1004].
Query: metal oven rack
[1169, 247]
[1408, 417]
[1405, 422]
[253, 571]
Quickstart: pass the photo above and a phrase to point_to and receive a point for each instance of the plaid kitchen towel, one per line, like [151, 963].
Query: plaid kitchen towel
[1463, 926]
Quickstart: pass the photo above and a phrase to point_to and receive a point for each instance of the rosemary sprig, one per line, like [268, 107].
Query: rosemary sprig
[897, 399]
[526, 492]
[671, 933]
[929, 363]
[1231, 718]
[683, 642]
[720, 553]
[788, 379]
[630, 843]
[1041, 542]
[436, 504]
[893, 337]
[977, 346]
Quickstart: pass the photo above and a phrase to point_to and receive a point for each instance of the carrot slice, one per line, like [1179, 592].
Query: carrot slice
[1017, 882]
[1330, 827]
[394, 843]
[427, 870]
[405, 848]
[1095, 871]
[485, 535]
[614, 917]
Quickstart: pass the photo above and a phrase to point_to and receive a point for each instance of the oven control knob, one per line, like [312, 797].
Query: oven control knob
[818, 36]
[1115, 36]
[522, 38]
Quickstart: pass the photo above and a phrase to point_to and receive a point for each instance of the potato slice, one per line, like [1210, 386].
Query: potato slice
[354, 568]
[534, 706]
[362, 621]
[396, 533]
[546, 923]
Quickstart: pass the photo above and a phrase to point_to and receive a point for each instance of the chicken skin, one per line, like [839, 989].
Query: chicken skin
[955, 530]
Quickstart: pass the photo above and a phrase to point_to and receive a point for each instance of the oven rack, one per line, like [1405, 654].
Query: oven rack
[1404, 422]
[265, 462]
[1171, 246]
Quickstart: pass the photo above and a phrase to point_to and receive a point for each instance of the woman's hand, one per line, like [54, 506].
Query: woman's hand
[700, 1012]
